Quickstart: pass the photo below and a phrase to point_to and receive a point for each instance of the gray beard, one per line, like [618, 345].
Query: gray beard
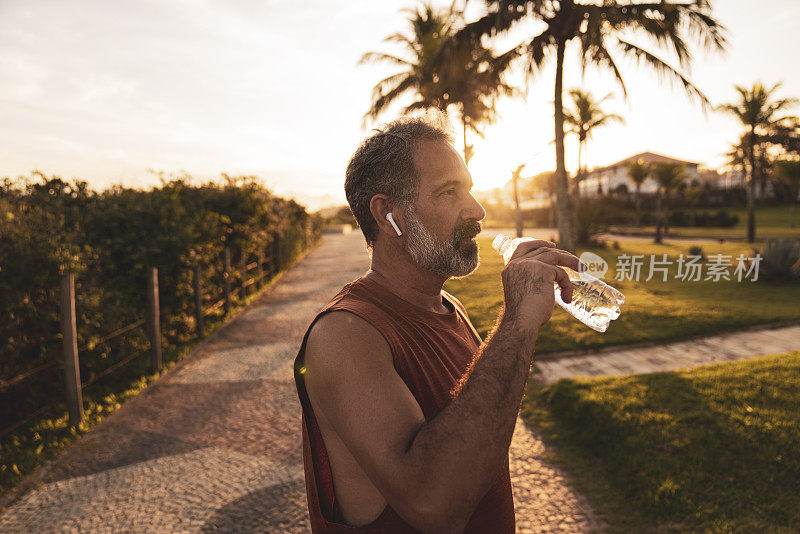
[454, 258]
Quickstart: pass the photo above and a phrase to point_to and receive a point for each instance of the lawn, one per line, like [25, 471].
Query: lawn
[712, 449]
[771, 221]
[654, 310]
[737, 232]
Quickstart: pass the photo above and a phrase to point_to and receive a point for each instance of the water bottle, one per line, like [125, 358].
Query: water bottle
[594, 303]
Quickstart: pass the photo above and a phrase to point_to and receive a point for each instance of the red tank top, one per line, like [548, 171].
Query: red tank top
[431, 351]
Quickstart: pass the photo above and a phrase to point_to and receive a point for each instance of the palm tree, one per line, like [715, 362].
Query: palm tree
[473, 78]
[758, 111]
[464, 74]
[597, 26]
[639, 171]
[583, 118]
[669, 177]
[515, 174]
[429, 29]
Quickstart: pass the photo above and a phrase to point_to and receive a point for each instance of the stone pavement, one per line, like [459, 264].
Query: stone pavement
[214, 444]
[670, 356]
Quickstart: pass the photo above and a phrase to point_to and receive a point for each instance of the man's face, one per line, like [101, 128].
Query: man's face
[445, 217]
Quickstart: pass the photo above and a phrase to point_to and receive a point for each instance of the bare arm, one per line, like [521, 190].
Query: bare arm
[418, 465]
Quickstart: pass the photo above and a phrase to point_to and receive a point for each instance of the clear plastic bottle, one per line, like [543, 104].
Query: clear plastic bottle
[594, 303]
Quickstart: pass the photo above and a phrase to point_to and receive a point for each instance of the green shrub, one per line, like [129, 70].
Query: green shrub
[109, 240]
[781, 259]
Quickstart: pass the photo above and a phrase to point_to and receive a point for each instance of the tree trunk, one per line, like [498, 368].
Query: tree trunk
[565, 241]
[578, 174]
[638, 206]
[751, 190]
[517, 210]
[792, 209]
[658, 218]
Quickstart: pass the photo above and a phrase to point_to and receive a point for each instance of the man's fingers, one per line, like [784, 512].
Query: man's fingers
[562, 279]
[529, 246]
[559, 276]
[560, 257]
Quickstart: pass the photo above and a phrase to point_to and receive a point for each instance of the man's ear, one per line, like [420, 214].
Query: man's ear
[380, 207]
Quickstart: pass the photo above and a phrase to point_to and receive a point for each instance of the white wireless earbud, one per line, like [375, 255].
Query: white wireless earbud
[394, 224]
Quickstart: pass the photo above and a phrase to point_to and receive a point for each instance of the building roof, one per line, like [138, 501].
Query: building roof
[646, 157]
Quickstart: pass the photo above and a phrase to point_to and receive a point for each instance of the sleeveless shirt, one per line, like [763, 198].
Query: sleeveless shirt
[430, 351]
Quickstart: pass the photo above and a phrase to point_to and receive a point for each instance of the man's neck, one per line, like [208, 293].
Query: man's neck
[396, 271]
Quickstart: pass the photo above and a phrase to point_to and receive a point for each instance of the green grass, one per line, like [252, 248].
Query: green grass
[737, 232]
[654, 310]
[766, 216]
[771, 221]
[712, 449]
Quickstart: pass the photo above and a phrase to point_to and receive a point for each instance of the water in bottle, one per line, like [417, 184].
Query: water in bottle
[594, 303]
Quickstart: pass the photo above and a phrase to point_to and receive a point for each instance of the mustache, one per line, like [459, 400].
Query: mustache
[468, 229]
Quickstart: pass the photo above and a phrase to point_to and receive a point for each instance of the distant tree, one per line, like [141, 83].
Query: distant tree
[788, 171]
[639, 171]
[669, 177]
[693, 194]
[543, 183]
[515, 174]
[463, 74]
[583, 117]
[760, 113]
[598, 27]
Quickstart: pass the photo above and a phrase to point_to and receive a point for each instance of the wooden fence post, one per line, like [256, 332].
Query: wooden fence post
[226, 277]
[243, 268]
[259, 270]
[198, 301]
[154, 310]
[69, 335]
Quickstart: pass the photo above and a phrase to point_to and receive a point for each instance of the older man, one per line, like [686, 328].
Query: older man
[407, 414]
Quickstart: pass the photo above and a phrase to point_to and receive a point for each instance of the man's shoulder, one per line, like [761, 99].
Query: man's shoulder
[339, 343]
[339, 322]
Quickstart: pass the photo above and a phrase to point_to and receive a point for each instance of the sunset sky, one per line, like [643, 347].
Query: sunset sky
[104, 91]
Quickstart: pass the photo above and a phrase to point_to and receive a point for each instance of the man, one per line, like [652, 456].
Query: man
[407, 415]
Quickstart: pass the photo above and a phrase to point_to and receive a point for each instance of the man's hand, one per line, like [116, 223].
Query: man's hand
[528, 283]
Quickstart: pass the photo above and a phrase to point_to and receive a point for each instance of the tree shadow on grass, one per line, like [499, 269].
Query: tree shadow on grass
[680, 449]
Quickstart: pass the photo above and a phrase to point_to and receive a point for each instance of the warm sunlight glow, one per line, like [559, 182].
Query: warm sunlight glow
[104, 92]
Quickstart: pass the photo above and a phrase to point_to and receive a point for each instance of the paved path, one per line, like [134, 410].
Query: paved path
[677, 355]
[214, 445]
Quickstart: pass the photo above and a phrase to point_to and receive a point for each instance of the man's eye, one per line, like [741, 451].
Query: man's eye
[450, 192]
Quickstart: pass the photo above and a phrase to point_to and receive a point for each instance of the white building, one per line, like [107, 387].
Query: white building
[606, 179]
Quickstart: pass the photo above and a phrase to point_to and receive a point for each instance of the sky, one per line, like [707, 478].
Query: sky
[116, 92]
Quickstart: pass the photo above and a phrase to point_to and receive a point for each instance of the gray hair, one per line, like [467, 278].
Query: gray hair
[384, 164]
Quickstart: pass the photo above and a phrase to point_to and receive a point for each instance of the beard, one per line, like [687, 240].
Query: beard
[453, 258]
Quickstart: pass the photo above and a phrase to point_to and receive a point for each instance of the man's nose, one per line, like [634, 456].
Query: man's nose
[474, 210]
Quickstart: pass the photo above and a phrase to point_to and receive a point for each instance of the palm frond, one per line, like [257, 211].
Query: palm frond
[603, 57]
[399, 38]
[536, 51]
[377, 57]
[662, 68]
[503, 15]
[381, 100]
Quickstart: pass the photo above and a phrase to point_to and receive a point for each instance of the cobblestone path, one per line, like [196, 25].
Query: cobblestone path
[670, 356]
[214, 445]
